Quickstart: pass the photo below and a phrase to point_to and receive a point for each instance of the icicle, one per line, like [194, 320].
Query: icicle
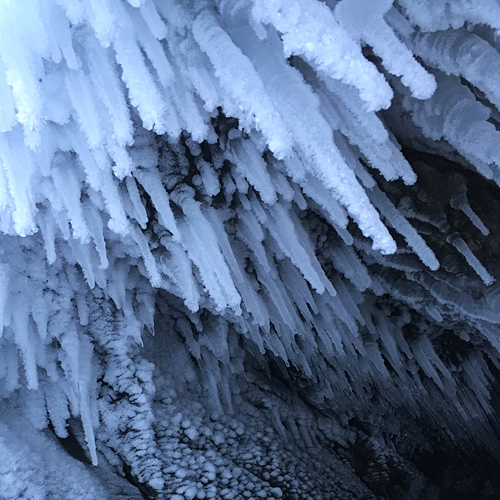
[191, 117]
[460, 202]
[445, 14]
[434, 313]
[295, 168]
[109, 90]
[490, 332]
[143, 93]
[68, 188]
[148, 258]
[152, 183]
[10, 359]
[202, 247]
[7, 111]
[109, 188]
[209, 178]
[364, 19]
[22, 71]
[193, 66]
[13, 152]
[426, 345]
[40, 311]
[35, 408]
[309, 29]
[153, 19]
[384, 330]
[472, 260]
[347, 262]
[117, 284]
[24, 339]
[373, 354]
[216, 341]
[83, 309]
[4, 292]
[279, 301]
[402, 226]
[421, 355]
[297, 286]
[314, 189]
[180, 269]
[366, 131]
[123, 164]
[251, 233]
[282, 185]
[232, 66]
[151, 46]
[462, 53]
[84, 102]
[283, 231]
[57, 409]
[453, 113]
[58, 30]
[250, 164]
[83, 257]
[84, 378]
[94, 223]
[139, 214]
[46, 224]
[350, 300]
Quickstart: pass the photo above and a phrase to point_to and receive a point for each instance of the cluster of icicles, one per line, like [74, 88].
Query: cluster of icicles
[233, 155]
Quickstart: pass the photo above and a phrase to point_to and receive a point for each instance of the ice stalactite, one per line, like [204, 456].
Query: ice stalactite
[298, 199]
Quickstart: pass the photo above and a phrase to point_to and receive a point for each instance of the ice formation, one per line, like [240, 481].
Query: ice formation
[249, 249]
